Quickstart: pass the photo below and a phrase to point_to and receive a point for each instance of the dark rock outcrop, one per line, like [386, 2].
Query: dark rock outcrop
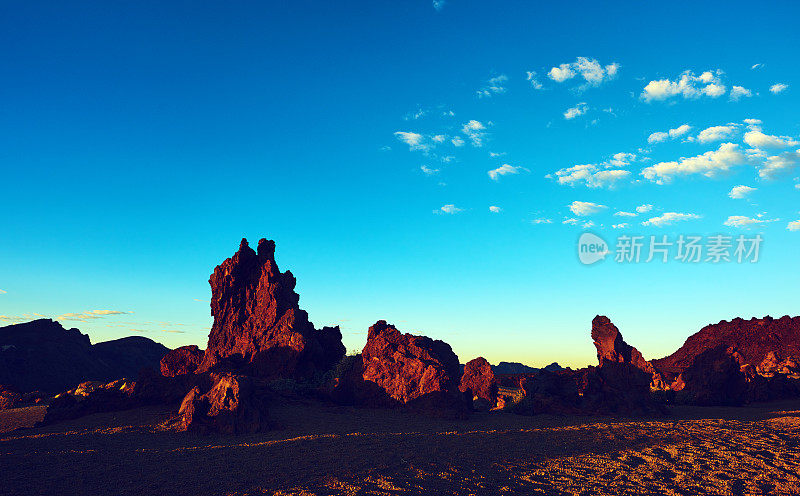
[259, 328]
[397, 369]
[715, 377]
[478, 379]
[232, 405]
[753, 339]
[180, 361]
[612, 348]
[88, 398]
[513, 368]
[9, 397]
[42, 355]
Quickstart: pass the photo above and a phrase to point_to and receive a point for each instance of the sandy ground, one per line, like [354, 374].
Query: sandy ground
[323, 449]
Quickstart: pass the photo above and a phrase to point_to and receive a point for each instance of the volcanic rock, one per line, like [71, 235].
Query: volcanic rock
[231, 406]
[753, 339]
[478, 379]
[9, 397]
[714, 378]
[513, 368]
[259, 329]
[612, 348]
[397, 369]
[183, 360]
[125, 357]
[88, 398]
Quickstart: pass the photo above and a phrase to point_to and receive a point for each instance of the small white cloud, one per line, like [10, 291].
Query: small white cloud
[576, 111]
[588, 224]
[716, 133]
[570, 221]
[415, 141]
[583, 209]
[757, 139]
[661, 136]
[590, 70]
[438, 5]
[622, 213]
[622, 225]
[90, 315]
[778, 165]
[739, 192]
[590, 175]
[644, 208]
[457, 141]
[439, 138]
[794, 225]
[541, 220]
[738, 92]
[534, 80]
[428, 171]
[504, 169]
[495, 209]
[449, 209]
[743, 222]
[778, 88]
[752, 122]
[756, 66]
[495, 154]
[494, 86]
[475, 131]
[710, 164]
[668, 219]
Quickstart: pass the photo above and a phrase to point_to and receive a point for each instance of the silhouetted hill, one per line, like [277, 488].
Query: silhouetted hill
[512, 368]
[42, 355]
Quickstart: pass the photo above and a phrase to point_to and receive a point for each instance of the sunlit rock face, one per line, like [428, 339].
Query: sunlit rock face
[259, 328]
[612, 348]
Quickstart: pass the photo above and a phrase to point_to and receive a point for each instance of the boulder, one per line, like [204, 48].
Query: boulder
[715, 377]
[180, 361]
[259, 328]
[88, 398]
[232, 405]
[9, 397]
[397, 369]
[479, 380]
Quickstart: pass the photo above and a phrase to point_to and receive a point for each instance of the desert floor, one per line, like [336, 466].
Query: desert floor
[322, 449]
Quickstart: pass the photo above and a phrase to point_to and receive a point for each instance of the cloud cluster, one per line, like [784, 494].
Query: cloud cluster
[739, 192]
[687, 86]
[709, 164]
[592, 72]
[583, 209]
[590, 175]
[475, 131]
[716, 133]
[494, 86]
[669, 218]
[778, 88]
[576, 111]
[503, 170]
[661, 136]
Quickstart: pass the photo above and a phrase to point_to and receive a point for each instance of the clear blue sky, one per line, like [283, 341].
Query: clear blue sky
[139, 142]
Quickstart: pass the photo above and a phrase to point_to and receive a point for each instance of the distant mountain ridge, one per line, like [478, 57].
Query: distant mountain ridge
[519, 368]
[43, 355]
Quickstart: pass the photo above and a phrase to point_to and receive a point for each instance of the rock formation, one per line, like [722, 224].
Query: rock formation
[714, 378]
[259, 328]
[180, 361]
[753, 339]
[42, 355]
[231, 406]
[478, 379]
[397, 369]
[9, 397]
[612, 348]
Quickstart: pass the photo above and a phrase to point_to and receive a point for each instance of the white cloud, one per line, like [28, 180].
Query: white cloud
[541, 220]
[504, 169]
[622, 159]
[743, 222]
[778, 88]
[90, 315]
[739, 192]
[756, 66]
[625, 214]
[415, 141]
[716, 133]
[496, 154]
[427, 170]
[710, 164]
[576, 111]
[475, 131]
[590, 70]
[588, 224]
[661, 136]
[438, 5]
[457, 141]
[494, 86]
[622, 225]
[752, 122]
[644, 208]
[778, 165]
[688, 86]
[794, 225]
[668, 219]
[757, 139]
[534, 80]
[583, 209]
[590, 175]
[738, 92]
[495, 209]
[439, 138]
[449, 209]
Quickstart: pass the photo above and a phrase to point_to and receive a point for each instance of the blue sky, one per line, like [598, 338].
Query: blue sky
[140, 142]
